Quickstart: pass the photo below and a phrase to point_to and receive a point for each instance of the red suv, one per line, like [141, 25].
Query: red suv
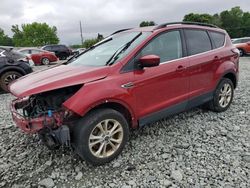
[131, 78]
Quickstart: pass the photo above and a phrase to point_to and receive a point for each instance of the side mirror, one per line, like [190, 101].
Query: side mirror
[248, 43]
[149, 61]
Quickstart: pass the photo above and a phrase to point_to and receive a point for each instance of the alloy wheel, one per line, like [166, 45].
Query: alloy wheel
[45, 61]
[225, 95]
[106, 138]
[9, 78]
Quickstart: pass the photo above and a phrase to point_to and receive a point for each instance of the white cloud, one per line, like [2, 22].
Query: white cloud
[103, 16]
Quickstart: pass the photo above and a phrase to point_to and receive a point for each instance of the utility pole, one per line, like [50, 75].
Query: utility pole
[81, 32]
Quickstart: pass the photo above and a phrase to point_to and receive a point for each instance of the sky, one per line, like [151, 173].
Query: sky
[103, 16]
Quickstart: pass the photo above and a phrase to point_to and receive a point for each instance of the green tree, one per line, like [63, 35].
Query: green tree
[235, 21]
[4, 39]
[245, 24]
[147, 23]
[232, 21]
[204, 18]
[34, 34]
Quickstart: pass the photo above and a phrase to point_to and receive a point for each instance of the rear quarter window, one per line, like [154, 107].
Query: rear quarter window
[218, 38]
[198, 41]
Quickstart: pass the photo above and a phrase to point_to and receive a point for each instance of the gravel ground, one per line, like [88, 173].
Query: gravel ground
[193, 149]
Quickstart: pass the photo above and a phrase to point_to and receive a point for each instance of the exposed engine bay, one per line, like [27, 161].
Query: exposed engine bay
[44, 114]
[48, 102]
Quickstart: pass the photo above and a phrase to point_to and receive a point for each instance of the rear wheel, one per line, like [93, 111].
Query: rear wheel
[7, 78]
[63, 57]
[223, 96]
[45, 61]
[100, 136]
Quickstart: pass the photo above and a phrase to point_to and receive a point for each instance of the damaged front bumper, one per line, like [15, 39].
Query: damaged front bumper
[51, 120]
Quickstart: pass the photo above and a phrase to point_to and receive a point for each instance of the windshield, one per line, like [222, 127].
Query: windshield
[111, 49]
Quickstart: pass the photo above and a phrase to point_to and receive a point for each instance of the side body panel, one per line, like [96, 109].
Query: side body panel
[103, 91]
[159, 91]
[159, 87]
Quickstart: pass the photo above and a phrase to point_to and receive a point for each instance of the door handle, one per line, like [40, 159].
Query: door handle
[180, 68]
[128, 85]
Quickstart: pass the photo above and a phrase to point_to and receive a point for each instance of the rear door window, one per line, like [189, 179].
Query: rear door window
[218, 38]
[63, 48]
[198, 41]
[56, 48]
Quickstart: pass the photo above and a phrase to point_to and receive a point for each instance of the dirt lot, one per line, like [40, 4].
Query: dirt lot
[193, 149]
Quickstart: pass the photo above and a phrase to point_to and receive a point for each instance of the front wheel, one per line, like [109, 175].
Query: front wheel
[100, 136]
[223, 96]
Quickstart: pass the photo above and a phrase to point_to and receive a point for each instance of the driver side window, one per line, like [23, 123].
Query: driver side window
[167, 46]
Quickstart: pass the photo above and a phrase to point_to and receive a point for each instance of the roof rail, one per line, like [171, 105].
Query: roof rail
[187, 23]
[121, 30]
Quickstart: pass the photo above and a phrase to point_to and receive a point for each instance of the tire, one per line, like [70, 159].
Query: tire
[7, 78]
[92, 143]
[63, 57]
[223, 96]
[242, 53]
[45, 61]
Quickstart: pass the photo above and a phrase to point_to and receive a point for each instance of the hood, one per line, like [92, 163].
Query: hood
[55, 78]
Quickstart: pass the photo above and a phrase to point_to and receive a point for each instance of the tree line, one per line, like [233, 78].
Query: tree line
[235, 21]
[34, 34]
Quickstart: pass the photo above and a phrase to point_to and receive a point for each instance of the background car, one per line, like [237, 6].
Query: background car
[61, 51]
[243, 45]
[78, 51]
[13, 65]
[39, 56]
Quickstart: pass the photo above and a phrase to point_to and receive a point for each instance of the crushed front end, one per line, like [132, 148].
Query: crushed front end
[44, 114]
[31, 117]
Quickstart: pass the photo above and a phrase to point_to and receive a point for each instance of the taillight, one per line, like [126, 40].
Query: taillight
[236, 51]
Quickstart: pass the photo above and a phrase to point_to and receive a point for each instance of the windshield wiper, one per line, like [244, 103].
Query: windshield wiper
[114, 57]
[90, 48]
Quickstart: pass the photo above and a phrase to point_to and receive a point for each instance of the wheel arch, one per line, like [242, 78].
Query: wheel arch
[240, 48]
[8, 69]
[232, 77]
[118, 106]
